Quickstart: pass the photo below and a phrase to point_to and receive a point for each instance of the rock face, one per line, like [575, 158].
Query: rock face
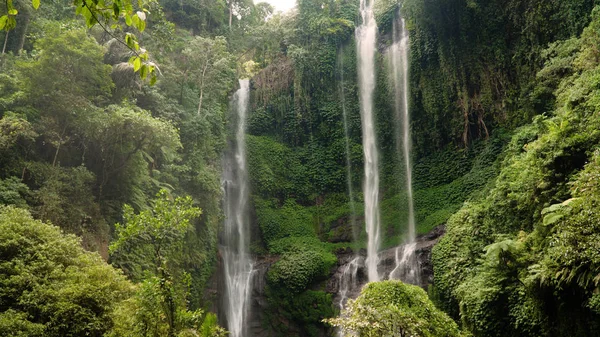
[258, 303]
[425, 244]
[387, 259]
[387, 262]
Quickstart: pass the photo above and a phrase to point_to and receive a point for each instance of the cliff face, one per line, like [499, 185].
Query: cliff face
[259, 307]
[387, 262]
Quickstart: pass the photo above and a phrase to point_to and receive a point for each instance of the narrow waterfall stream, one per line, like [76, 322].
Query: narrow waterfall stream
[238, 265]
[348, 159]
[348, 277]
[406, 268]
[366, 35]
[348, 280]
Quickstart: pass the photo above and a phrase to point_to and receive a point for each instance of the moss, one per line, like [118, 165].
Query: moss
[290, 220]
[296, 270]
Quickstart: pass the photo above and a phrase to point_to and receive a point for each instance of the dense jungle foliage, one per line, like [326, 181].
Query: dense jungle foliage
[114, 118]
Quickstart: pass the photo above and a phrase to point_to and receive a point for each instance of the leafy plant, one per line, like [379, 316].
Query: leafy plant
[392, 308]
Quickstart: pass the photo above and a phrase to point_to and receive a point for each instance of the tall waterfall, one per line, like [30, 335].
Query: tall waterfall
[348, 159]
[348, 278]
[234, 249]
[365, 42]
[406, 264]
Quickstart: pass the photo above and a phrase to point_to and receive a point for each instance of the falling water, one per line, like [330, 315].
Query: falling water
[406, 262]
[236, 259]
[348, 159]
[365, 43]
[348, 282]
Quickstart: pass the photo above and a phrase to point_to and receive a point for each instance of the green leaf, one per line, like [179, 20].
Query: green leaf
[89, 18]
[116, 10]
[130, 40]
[137, 63]
[35, 3]
[11, 23]
[153, 79]
[144, 71]
[138, 22]
[3, 20]
[552, 218]
[13, 11]
[128, 19]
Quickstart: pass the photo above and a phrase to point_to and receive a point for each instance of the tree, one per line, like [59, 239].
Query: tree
[49, 285]
[109, 15]
[209, 62]
[122, 145]
[156, 236]
[125, 147]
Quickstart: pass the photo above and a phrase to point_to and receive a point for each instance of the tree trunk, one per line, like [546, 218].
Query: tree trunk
[230, 13]
[27, 20]
[56, 153]
[5, 43]
[464, 106]
[202, 85]
[60, 143]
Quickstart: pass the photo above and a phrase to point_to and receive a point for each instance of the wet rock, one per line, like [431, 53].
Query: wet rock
[258, 311]
[258, 303]
[341, 229]
[387, 262]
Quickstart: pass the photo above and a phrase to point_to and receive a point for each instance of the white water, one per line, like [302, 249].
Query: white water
[406, 262]
[366, 35]
[348, 282]
[236, 259]
[348, 159]
[407, 267]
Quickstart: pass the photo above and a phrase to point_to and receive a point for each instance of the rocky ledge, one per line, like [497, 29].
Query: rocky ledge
[387, 262]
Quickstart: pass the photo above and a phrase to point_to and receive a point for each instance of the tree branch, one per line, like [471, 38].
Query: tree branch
[107, 31]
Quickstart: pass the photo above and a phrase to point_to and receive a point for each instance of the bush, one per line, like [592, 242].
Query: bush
[280, 222]
[275, 170]
[521, 259]
[296, 271]
[392, 308]
[49, 285]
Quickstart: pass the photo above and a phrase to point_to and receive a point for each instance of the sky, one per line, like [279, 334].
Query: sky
[280, 5]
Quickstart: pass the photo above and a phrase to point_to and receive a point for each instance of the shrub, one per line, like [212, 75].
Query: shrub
[49, 285]
[280, 222]
[392, 308]
[296, 271]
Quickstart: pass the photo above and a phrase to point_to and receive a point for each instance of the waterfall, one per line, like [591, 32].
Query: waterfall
[365, 43]
[348, 282]
[348, 159]
[406, 263]
[238, 267]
